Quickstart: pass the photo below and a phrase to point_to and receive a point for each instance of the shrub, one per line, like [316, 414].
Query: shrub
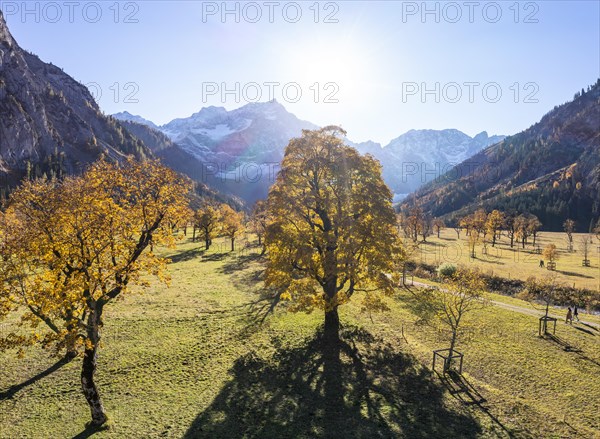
[446, 270]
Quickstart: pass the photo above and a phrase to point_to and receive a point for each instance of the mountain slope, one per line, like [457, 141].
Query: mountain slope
[237, 152]
[181, 161]
[50, 123]
[552, 170]
[241, 149]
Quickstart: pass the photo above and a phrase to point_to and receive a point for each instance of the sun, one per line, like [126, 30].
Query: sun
[328, 64]
[341, 62]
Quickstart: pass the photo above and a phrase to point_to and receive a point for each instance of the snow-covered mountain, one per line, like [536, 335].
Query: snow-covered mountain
[419, 156]
[241, 149]
[256, 133]
[126, 116]
[431, 146]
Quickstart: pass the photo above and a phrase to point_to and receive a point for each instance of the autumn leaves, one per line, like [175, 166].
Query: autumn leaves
[333, 229]
[70, 247]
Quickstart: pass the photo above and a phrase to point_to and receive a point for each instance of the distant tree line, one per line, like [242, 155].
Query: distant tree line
[478, 226]
[484, 227]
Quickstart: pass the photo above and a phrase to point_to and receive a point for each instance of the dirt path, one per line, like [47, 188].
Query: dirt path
[523, 310]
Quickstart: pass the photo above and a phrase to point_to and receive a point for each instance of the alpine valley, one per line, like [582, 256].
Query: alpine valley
[51, 125]
[239, 151]
[551, 170]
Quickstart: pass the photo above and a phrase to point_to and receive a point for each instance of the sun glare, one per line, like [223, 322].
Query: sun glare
[341, 62]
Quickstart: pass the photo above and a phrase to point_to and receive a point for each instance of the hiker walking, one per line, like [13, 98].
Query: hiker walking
[569, 316]
[575, 313]
[541, 263]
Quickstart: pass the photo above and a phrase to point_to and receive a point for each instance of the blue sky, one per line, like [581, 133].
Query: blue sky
[372, 61]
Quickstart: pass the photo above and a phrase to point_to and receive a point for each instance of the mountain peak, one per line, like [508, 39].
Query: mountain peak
[269, 107]
[418, 156]
[209, 112]
[5, 36]
[46, 112]
[128, 117]
[434, 137]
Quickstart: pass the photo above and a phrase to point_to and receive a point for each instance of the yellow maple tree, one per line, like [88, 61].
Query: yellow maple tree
[72, 246]
[232, 223]
[332, 231]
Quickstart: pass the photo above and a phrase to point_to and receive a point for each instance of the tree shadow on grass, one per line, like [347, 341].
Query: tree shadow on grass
[11, 391]
[567, 347]
[215, 257]
[90, 430]
[360, 389]
[265, 299]
[239, 262]
[589, 326]
[187, 255]
[573, 273]
[462, 389]
[241, 277]
[587, 331]
[431, 243]
[490, 261]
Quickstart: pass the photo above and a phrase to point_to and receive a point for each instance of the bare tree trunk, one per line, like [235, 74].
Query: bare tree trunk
[332, 326]
[88, 369]
[232, 244]
[448, 362]
[545, 324]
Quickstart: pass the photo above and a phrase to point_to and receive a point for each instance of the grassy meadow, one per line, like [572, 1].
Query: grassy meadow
[193, 360]
[516, 262]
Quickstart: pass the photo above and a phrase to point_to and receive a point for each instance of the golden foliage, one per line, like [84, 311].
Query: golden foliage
[69, 247]
[208, 220]
[494, 222]
[232, 221]
[332, 229]
[550, 253]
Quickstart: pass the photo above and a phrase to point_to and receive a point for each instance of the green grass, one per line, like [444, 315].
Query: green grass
[531, 306]
[516, 262]
[187, 361]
